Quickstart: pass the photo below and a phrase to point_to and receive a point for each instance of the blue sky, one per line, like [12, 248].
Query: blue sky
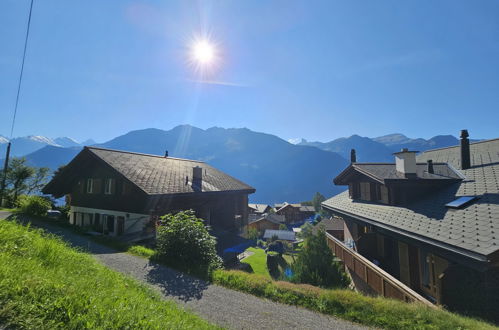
[312, 69]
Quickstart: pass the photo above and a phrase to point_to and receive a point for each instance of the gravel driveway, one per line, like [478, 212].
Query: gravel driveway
[225, 307]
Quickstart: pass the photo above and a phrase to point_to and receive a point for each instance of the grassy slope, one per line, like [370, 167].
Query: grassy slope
[258, 261]
[44, 284]
[347, 304]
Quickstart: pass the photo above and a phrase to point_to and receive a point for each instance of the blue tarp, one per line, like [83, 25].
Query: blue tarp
[240, 248]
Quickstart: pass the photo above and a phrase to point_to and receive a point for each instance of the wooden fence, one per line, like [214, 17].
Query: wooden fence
[380, 281]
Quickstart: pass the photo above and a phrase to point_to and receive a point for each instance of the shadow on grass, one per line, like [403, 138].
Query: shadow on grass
[173, 283]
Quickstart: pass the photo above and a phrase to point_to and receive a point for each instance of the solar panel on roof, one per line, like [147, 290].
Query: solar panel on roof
[461, 202]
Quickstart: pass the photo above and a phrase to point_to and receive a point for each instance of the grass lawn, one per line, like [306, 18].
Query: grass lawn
[257, 261]
[45, 284]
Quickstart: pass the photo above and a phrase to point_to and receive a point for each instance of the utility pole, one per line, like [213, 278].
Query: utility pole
[4, 175]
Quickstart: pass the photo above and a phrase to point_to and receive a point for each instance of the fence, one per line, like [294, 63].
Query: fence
[377, 279]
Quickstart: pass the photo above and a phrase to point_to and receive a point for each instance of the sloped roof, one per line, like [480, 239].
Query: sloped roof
[285, 235]
[329, 224]
[307, 208]
[274, 218]
[473, 230]
[260, 208]
[157, 175]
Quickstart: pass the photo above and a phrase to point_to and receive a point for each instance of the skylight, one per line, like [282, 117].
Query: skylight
[461, 202]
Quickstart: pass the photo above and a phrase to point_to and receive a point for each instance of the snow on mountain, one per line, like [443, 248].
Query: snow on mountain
[66, 142]
[3, 140]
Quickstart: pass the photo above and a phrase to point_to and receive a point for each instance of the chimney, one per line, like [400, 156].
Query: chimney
[353, 156]
[197, 177]
[429, 166]
[465, 150]
[166, 153]
[405, 162]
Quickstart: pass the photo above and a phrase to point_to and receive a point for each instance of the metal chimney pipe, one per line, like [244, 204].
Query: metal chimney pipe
[353, 156]
[429, 166]
[465, 150]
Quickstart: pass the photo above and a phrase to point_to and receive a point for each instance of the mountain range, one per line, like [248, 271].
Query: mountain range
[280, 171]
[381, 149]
[22, 146]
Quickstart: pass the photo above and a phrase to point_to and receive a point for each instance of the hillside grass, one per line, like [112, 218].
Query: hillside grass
[257, 261]
[45, 284]
[347, 304]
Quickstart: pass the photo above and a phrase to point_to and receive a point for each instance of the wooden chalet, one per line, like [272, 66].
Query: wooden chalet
[120, 192]
[431, 221]
[267, 221]
[294, 213]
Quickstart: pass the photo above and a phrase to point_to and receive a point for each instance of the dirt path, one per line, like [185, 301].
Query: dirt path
[227, 308]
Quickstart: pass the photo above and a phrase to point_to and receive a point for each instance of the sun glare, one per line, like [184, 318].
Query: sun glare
[203, 52]
[203, 55]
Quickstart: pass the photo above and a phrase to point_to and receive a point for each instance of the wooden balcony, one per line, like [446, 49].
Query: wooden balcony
[376, 278]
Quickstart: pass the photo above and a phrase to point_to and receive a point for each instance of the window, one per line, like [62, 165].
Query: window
[90, 186]
[365, 191]
[461, 202]
[108, 186]
[127, 189]
[383, 192]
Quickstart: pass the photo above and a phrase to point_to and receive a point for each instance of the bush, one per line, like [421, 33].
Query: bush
[33, 205]
[316, 265]
[183, 242]
[253, 234]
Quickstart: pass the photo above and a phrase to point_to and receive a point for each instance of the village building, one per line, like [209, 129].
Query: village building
[333, 226]
[431, 221]
[267, 221]
[120, 192]
[294, 213]
[259, 209]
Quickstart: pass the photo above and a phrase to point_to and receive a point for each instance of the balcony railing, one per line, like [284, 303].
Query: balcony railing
[380, 281]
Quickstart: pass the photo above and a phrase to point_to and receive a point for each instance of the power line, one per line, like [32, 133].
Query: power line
[22, 70]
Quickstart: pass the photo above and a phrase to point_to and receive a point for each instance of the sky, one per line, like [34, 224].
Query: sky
[317, 70]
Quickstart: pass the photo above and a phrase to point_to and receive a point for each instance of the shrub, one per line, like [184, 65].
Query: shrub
[253, 234]
[183, 242]
[140, 250]
[33, 205]
[316, 265]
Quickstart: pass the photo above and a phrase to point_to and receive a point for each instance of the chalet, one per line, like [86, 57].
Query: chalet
[259, 209]
[120, 192]
[267, 221]
[294, 213]
[333, 226]
[431, 221]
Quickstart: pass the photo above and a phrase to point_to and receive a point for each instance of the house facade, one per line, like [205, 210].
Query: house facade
[294, 213]
[119, 193]
[267, 221]
[431, 221]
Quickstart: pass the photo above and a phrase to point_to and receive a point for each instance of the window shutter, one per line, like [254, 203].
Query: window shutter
[113, 186]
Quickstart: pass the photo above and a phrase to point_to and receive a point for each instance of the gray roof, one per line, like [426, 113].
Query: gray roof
[307, 208]
[473, 230]
[274, 218]
[388, 171]
[285, 235]
[166, 175]
[259, 208]
[329, 224]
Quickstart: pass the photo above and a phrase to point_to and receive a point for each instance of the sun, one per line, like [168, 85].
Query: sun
[203, 52]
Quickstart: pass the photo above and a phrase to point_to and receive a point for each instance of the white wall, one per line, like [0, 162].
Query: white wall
[134, 222]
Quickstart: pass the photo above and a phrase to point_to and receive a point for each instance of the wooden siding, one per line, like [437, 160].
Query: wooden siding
[380, 281]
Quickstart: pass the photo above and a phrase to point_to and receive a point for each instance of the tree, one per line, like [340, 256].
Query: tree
[317, 200]
[18, 174]
[37, 181]
[306, 230]
[184, 242]
[283, 227]
[315, 264]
